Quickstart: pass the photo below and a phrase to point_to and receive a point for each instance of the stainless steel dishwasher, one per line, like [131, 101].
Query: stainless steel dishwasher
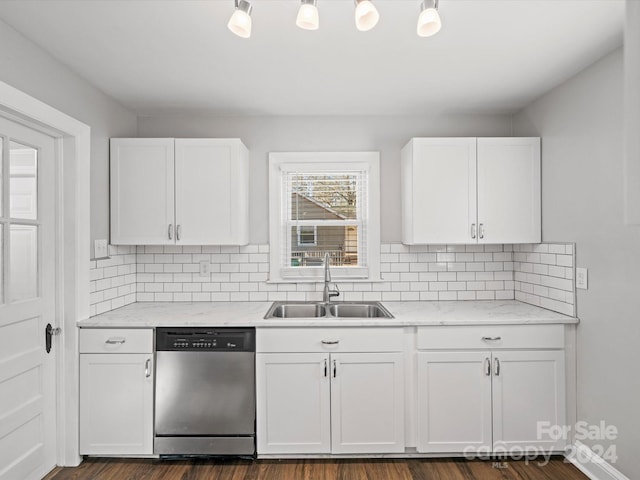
[205, 391]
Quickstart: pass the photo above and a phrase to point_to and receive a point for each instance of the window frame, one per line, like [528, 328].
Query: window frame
[281, 163]
[300, 235]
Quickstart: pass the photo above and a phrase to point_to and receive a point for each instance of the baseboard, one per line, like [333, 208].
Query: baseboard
[591, 464]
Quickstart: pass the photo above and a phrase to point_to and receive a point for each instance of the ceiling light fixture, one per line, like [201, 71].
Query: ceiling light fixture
[367, 15]
[240, 21]
[308, 15]
[429, 19]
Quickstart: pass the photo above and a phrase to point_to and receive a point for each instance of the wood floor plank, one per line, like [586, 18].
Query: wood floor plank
[339, 469]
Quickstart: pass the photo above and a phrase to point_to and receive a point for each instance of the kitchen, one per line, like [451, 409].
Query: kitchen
[578, 114]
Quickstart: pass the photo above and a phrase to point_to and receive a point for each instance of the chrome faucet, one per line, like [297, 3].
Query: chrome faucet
[328, 293]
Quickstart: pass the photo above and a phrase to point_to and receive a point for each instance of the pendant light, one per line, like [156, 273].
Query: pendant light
[429, 19]
[240, 21]
[367, 15]
[308, 18]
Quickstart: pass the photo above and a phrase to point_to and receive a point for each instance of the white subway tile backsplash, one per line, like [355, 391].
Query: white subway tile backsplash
[545, 278]
[529, 273]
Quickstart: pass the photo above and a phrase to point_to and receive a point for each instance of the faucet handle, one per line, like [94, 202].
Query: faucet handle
[335, 292]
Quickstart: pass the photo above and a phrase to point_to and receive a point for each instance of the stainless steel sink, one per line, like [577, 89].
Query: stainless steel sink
[359, 310]
[331, 310]
[296, 310]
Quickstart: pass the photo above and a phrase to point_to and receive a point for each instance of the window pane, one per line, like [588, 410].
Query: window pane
[23, 176]
[341, 243]
[23, 262]
[323, 197]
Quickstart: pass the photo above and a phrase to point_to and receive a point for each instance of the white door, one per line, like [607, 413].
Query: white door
[116, 404]
[454, 402]
[509, 190]
[27, 303]
[528, 388]
[442, 175]
[142, 191]
[292, 398]
[367, 403]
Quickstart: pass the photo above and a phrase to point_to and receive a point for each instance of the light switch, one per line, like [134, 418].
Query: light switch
[582, 279]
[100, 249]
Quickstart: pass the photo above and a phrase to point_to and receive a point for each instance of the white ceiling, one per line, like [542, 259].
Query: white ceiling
[159, 57]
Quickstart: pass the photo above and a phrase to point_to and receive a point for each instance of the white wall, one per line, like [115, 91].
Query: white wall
[280, 134]
[27, 67]
[581, 124]
[632, 111]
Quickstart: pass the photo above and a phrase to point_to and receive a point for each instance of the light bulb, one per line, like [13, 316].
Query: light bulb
[367, 15]
[428, 21]
[240, 21]
[308, 18]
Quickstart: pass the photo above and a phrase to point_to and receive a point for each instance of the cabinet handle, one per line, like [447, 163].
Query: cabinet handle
[147, 368]
[330, 342]
[178, 232]
[481, 231]
[491, 339]
[326, 369]
[335, 369]
[497, 368]
[170, 231]
[115, 341]
[487, 366]
[473, 231]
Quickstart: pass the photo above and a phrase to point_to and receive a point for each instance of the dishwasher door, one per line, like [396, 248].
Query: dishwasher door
[205, 393]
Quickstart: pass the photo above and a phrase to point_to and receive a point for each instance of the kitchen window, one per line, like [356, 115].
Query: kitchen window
[324, 204]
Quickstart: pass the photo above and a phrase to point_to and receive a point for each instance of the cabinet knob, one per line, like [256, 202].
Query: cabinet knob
[487, 366]
[115, 341]
[170, 231]
[330, 342]
[497, 366]
[473, 231]
[178, 232]
[481, 231]
[491, 339]
[147, 368]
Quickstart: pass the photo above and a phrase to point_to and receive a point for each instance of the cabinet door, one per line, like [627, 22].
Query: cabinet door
[211, 192]
[509, 190]
[142, 191]
[439, 190]
[528, 393]
[292, 395]
[454, 402]
[116, 404]
[367, 403]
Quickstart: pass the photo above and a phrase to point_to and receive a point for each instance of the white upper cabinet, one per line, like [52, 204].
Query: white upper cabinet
[509, 190]
[142, 190]
[471, 190]
[179, 191]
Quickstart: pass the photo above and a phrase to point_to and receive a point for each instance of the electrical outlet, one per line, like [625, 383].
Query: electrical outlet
[205, 267]
[582, 279]
[100, 249]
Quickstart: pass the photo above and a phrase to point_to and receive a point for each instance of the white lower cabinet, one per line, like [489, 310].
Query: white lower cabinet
[294, 414]
[322, 402]
[116, 392]
[491, 400]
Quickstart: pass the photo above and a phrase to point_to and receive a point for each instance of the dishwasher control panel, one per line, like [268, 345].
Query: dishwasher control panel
[205, 339]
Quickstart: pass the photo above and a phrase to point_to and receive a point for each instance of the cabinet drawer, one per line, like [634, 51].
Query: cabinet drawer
[353, 339]
[490, 337]
[116, 340]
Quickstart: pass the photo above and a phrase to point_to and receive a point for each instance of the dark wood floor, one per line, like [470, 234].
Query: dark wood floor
[405, 469]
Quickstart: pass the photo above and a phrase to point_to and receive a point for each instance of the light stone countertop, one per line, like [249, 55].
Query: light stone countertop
[250, 314]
